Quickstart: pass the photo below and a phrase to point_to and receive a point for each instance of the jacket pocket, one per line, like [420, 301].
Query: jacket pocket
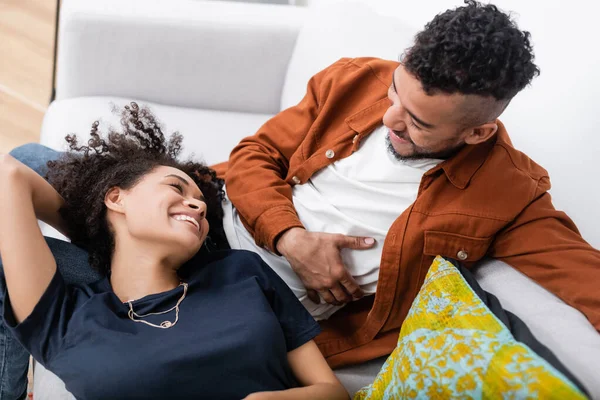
[466, 249]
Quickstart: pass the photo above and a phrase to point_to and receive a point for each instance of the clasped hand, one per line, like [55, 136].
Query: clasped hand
[315, 258]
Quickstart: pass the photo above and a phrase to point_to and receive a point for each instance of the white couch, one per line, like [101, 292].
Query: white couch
[216, 71]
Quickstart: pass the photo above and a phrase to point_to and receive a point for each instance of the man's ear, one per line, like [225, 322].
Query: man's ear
[114, 200]
[481, 133]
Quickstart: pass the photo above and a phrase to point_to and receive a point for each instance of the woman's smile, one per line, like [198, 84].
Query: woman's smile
[188, 219]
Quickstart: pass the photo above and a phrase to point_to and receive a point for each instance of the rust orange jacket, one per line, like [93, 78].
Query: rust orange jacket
[489, 200]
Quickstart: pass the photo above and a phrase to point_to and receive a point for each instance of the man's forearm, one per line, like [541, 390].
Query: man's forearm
[286, 239]
[257, 176]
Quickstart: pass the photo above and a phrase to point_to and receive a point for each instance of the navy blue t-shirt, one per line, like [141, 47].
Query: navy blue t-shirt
[236, 325]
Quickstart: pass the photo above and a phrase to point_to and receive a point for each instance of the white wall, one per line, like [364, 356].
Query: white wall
[556, 121]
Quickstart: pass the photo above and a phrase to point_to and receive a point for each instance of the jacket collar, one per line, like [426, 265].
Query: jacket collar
[367, 119]
[459, 169]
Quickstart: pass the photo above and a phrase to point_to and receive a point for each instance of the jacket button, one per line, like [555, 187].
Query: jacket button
[462, 255]
[329, 153]
[295, 179]
[355, 139]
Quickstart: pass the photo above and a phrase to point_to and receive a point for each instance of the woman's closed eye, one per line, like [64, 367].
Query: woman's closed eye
[177, 186]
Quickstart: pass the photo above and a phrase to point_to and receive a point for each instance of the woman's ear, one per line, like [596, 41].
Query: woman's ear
[114, 200]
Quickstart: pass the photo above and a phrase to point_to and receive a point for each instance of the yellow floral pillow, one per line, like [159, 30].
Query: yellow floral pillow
[452, 346]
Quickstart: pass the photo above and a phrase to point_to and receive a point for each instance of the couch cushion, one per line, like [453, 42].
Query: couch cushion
[355, 377]
[47, 386]
[211, 135]
[458, 342]
[336, 30]
[563, 329]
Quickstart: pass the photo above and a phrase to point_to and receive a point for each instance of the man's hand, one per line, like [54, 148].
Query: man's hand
[315, 258]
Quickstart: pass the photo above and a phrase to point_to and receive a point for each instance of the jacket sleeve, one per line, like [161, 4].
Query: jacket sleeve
[545, 245]
[258, 166]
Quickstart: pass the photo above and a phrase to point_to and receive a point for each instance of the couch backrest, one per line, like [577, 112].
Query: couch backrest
[554, 121]
[213, 55]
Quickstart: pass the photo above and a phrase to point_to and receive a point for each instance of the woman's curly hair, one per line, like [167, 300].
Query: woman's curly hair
[474, 49]
[84, 175]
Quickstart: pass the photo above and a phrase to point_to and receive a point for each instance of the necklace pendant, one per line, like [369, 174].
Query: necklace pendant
[165, 324]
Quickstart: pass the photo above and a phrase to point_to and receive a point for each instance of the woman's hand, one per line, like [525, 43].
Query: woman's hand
[317, 380]
[259, 396]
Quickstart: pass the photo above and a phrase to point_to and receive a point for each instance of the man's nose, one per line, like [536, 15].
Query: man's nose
[399, 125]
[395, 123]
[397, 113]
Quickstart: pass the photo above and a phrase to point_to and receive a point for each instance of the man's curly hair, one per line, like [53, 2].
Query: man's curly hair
[85, 174]
[474, 49]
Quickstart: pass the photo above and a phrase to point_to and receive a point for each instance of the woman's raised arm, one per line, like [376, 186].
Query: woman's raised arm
[28, 263]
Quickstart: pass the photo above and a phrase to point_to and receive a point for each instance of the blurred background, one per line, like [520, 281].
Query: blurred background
[26, 59]
[27, 29]
[568, 30]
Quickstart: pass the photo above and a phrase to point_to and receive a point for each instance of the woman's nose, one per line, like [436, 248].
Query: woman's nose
[196, 205]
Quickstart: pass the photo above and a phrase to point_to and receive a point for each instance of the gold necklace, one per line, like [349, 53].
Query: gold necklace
[164, 324]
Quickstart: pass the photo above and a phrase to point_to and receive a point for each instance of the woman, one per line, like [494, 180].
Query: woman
[169, 320]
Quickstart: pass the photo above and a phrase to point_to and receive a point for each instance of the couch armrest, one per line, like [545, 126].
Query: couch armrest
[203, 54]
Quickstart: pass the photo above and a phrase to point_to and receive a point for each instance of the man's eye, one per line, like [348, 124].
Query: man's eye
[177, 186]
[412, 123]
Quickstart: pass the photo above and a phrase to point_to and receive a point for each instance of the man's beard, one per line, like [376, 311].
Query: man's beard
[419, 153]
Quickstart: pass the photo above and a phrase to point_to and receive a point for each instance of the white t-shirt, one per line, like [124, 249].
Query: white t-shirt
[360, 195]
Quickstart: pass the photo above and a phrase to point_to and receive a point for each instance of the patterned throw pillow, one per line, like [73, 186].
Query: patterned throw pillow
[452, 346]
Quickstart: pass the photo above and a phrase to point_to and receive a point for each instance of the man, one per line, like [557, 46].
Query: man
[314, 186]
[382, 166]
